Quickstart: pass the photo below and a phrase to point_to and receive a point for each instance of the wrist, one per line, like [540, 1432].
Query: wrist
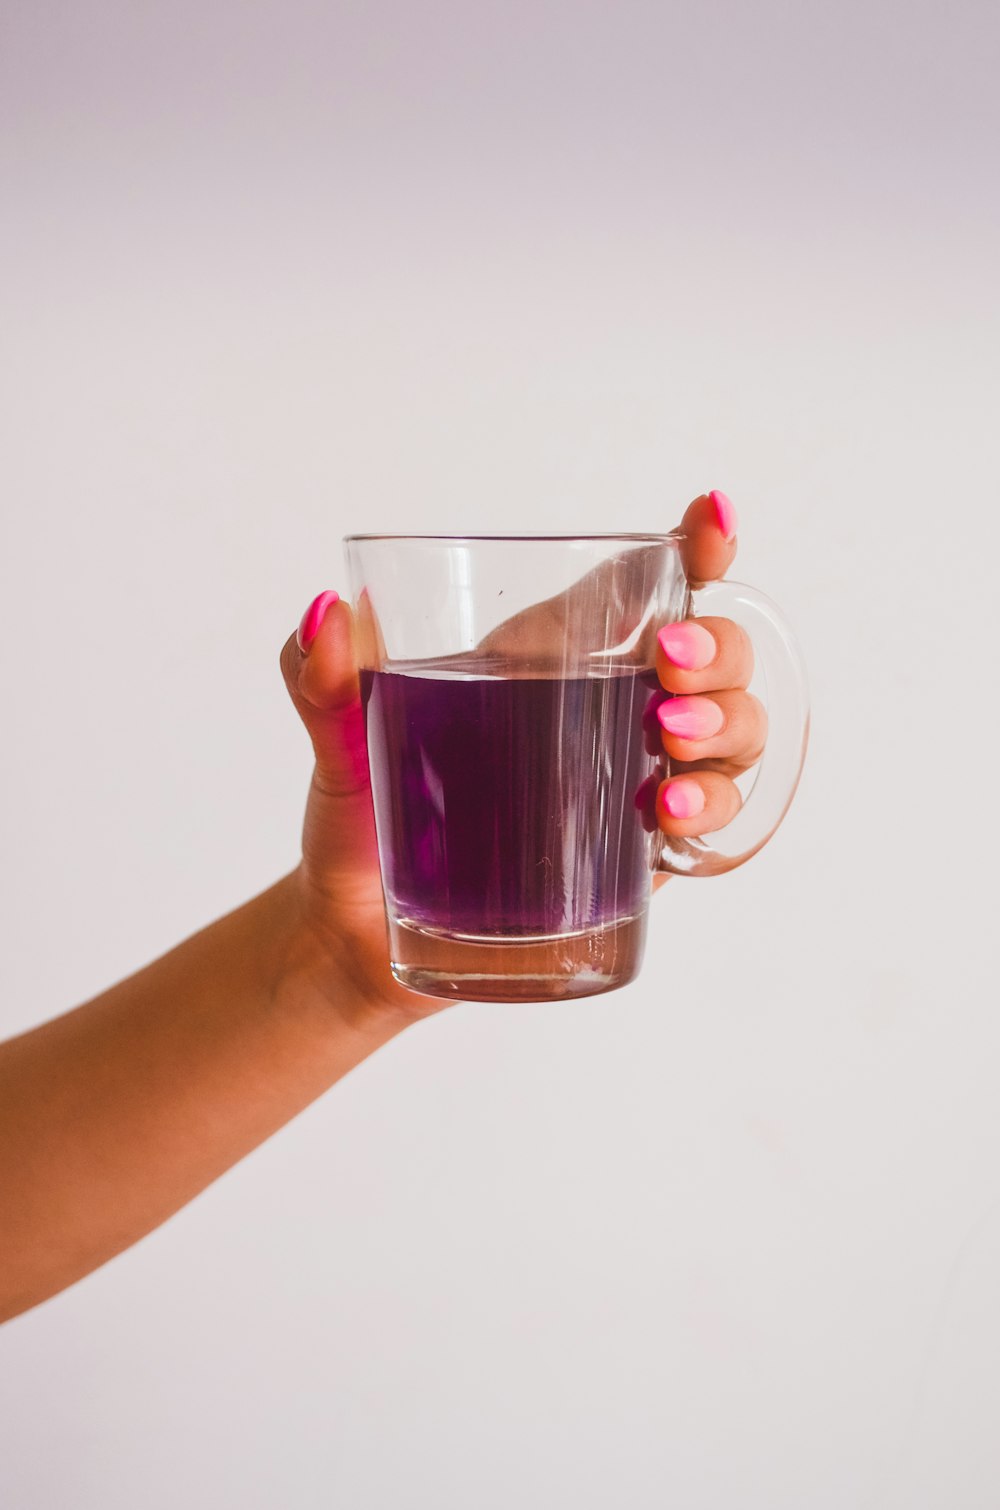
[336, 958]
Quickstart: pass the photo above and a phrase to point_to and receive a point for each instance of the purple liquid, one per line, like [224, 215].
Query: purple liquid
[507, 806]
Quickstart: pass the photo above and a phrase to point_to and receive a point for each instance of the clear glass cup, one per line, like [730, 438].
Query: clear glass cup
[510, 695]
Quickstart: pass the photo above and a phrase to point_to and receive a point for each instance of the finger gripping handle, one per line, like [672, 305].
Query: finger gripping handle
[779, 658]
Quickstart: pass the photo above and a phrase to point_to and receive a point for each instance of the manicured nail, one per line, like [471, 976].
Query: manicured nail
[691, 717]
[687, 645]
[313, 618]
[683, 798]
[725, 513]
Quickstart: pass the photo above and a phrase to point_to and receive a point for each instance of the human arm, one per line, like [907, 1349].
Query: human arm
[117, 1113]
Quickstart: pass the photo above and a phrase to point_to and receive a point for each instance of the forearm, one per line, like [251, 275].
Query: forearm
[116, 1114]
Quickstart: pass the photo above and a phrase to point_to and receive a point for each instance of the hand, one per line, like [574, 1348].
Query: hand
[712, 729]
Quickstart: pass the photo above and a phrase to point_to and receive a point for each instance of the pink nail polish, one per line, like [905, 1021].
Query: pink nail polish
[725, 513]
[683, 798]
[313, 618]
[691, 717]
[687, 645]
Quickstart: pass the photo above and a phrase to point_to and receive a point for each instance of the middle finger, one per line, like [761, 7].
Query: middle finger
[729, 725]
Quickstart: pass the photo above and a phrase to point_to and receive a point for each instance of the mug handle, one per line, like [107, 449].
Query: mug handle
[778, 657]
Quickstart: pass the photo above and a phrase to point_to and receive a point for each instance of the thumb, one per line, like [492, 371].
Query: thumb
[708, 537]
[319, 664]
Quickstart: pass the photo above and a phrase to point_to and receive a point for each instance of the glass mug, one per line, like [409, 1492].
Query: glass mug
[510, 696]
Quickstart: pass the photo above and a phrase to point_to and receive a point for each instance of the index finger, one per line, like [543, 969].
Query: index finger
[708, 537]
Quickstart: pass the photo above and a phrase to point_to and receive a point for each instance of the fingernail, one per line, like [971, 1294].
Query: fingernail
[691, 717]
[725, 513]
[687, 645]
[683, 798]
[313, 618]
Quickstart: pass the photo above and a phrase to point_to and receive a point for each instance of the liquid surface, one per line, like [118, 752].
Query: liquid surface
[507, 806]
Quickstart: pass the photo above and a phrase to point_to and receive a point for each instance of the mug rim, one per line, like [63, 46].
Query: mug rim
[671, 537]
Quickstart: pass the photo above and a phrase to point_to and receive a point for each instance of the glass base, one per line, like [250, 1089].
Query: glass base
[499, 967]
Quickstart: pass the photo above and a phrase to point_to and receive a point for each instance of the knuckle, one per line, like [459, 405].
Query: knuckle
[744, 643]
[745, 709]
[733, 798]
[735, 651]
[723, 800]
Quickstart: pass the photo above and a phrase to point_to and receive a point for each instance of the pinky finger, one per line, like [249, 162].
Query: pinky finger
[699, 802]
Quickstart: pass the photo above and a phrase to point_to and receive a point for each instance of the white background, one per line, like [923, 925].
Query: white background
[272, 273]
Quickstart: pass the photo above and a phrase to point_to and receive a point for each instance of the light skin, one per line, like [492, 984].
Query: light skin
[117, 1113]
